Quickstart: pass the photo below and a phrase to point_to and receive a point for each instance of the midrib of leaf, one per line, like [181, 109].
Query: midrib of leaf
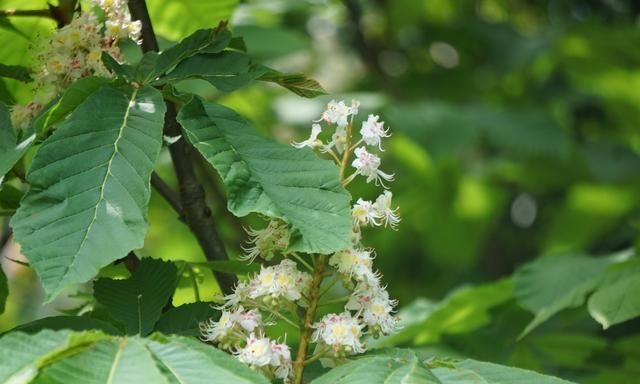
[104, 181]
[116, 359]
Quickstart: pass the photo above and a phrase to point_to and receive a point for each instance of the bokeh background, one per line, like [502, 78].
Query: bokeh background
[516, 134]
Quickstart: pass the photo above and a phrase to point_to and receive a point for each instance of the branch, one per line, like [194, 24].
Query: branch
[62, 14]
[169, 194]
[194, 208]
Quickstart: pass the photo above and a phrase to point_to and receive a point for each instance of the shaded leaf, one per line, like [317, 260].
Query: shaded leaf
[16, 72]
[297, 83]
[471, 372]
[617, 301]
[185, 320]
[272, 179]
[137, 302]
[11, 151]
[74, 323]
[87, 205]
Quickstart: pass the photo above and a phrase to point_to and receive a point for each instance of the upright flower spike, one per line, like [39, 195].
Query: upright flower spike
[376, 309]
[366, 164]
[373, 131]
[341, 332]
[272, 358]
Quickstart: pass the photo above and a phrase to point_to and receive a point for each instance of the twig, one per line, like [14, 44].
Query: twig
[169, 194]
[196, 213]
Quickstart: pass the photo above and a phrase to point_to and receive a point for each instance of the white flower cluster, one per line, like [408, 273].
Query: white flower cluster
[267, 242]
[75, 51]
[273, 288]
[369, 310]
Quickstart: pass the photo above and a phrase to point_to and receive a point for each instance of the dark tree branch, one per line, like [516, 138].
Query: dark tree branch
[167, 193]
[194, 208]
[62, 14]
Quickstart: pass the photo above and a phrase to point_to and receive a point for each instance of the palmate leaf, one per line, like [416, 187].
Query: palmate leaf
[270, 178]
[87, 205]
[10, 149]
[137, 302]
[67, 357]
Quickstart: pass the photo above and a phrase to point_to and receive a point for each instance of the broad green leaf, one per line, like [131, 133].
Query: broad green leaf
[227, 71]
[10, 149]
[123, 71]
[202, 41]
[472, 372]
[67, 357]
[74, 323]
[464, 310]
[175, 20]
[297, 83]
[270, 178]
[616, 302]
[551, 284]
[72, 97]
[395, 366]
[87, 205]
[193, 362]
[185, 320]
[15, 72]
[137, 302]
[4, 290]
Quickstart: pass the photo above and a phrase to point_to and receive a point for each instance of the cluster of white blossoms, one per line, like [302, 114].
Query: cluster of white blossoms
[75, 51]
[280, 291]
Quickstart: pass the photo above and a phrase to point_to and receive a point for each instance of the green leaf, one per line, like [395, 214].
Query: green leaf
[67, 357]
[271, 42]
[87, 205]
[471, 372]
[16, 72]
[137, 302]
[10, 149]
[75, 323]
[175, 20]
[395, 366]
[273, 179]
[123, 71]
[185, 320]
[4, 290]
[72, 97]
[229, 266]
[464, 310]
[616, 302]
[551, 284]
[201, 41]
[297, 83]
[227, 71]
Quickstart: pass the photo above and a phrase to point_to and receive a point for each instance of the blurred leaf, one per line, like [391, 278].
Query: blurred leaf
[297, 83]
[268, 177]
[471, 371]
[231, 266]
[567, 349]
[15, 72]
[61, 107]
[616, 302]
[10, 150]
[550, 284]
[185, 320]
[4, 290]
[74, 323]
[137, 302]
[175, 20]
[269, 42]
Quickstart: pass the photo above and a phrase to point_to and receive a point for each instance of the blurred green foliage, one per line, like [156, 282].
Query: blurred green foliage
[515, 135]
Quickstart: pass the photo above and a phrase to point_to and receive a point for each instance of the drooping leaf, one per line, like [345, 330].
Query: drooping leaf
[66, 357]
[72, 97]
[297, 83]
[87, 205]
[201, 41]
[175, 20]
[15, 72]
[616, 302]
[227, 71]
[185, 320]
[137, 302]
[75, 323]
[4, 290]
[270, 178]
[551, 284]
[394, 366]
[10, 150]
[471, 371]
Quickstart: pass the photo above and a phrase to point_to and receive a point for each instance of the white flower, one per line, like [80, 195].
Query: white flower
[280, 281]
[281, 360]
[338, 140]
[240, 293]
[312, 141]
[366, 164]
[246, 321]
[342, 332]
[267, 242]
[257, 352]
[364, 213]
[338, 113]
[355, 263]
[383, 209]
[355, 104]
[375, 308]
[373, 131]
